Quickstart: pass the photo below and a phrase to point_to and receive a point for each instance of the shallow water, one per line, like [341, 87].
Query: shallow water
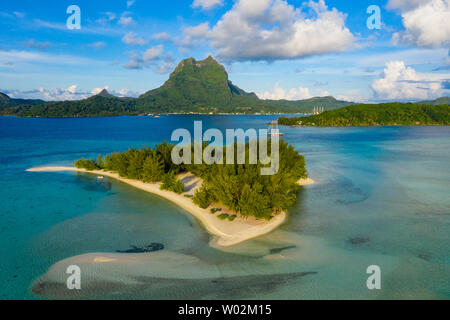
[381, 198]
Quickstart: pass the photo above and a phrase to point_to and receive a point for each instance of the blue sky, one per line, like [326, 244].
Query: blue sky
[276, 48]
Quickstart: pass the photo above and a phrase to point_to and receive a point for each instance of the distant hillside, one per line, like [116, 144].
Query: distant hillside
[100, 105]
[193, 87]
[443, 100]
[6, 101]
[384, 114]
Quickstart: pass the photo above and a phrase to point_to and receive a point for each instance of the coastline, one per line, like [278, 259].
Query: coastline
[225, 233]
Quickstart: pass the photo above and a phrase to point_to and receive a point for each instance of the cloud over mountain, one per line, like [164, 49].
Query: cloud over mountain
[274, 29]
[426, 22]
[279, 93]
[400, 82]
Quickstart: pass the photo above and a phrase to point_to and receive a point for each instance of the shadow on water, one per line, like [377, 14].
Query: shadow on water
[91, 183]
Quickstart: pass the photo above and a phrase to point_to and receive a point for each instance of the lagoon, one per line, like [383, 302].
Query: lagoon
[381, 198]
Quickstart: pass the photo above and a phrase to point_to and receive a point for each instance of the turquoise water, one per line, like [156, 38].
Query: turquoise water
[381, 198]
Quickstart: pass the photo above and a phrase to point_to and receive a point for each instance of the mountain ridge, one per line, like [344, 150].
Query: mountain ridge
[194, 86]
[7, 101]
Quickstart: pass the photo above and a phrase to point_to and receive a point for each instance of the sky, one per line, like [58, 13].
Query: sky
[276, 48]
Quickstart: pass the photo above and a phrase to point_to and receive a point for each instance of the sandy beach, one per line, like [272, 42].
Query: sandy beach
[225, 233]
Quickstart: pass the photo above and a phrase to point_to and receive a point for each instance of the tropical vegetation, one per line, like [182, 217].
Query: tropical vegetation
[385, 114]
[239, 187]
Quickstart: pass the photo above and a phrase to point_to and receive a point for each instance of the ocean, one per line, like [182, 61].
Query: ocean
[381, 198]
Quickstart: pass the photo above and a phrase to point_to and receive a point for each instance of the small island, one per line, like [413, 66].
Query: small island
[234, 202]
[385, 114]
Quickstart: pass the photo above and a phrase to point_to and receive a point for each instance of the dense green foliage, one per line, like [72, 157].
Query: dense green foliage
[384, 114]
[194, 87]
[6, 101]
[171, 182]
[96, 106]
[89, 165]
[240, 187]
[204, 198]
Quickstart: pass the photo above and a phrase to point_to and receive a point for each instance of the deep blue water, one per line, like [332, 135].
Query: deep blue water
[381, 197]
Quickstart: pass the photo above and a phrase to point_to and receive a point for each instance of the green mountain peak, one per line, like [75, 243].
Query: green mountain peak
[196, 84]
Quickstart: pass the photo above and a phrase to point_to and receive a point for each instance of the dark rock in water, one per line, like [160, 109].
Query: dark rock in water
[359, 240]
[149, 248]
[278, 250]
[425, 256]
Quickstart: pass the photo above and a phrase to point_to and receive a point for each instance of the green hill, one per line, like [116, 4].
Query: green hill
[384, 114]
[6, 101]
[100, 105]
[200, 86]
[443, 100]
[193, 87]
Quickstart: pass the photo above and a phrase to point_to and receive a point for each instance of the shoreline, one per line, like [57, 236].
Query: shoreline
[225, 233]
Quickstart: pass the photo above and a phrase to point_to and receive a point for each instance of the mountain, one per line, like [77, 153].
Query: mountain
[193, 87]
[103, 104]
[442, 100]
[7, 101]
[197, 86]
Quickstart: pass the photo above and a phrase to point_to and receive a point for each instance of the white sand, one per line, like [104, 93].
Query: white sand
[306, 182]
[226, 233]
[103, 260]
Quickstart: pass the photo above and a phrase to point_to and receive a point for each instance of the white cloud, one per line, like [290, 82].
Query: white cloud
[274, 29]
[426, 22]
[98, 90]
[147, 59]
[107, 17]
[72, 89]
[125, 20]
[70, 93]
[153, 52]
[21, 57]
[207, 4]
[279, 93]
[193, 35]
[133, 39]
[162, 36]
[400, 82]
[352, 96]
[404, 5]
[97, 45]
[130, 3]
[57, 94]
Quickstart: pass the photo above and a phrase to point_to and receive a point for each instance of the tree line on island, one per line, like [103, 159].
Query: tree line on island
[239, 187]
[384, 114]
